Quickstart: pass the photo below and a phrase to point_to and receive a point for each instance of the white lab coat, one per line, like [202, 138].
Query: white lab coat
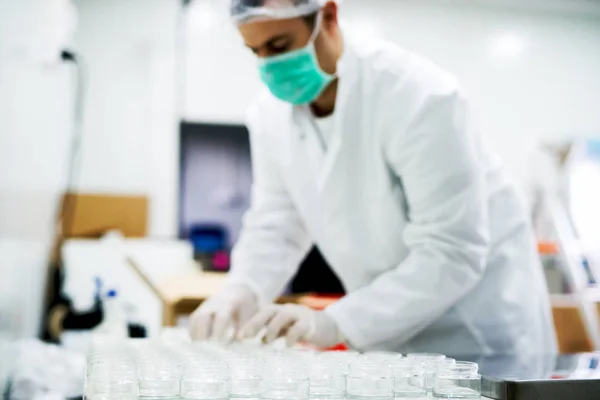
[409, 208]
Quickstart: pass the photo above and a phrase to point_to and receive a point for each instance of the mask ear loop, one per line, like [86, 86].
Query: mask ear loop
[317, 28]
[313, 37]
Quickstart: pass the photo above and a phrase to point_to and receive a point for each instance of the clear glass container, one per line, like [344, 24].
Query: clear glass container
[327, 379]
[302, 354]
[245, 376]
[428, 363]
[205, 379]
[369, 381]
[409, 379]
[340, 358]
[426, 356]
[111, 380]
[460, 381]
[159, 377]
[284, 378]
[345, 358]
[383, 357]
[446, 362]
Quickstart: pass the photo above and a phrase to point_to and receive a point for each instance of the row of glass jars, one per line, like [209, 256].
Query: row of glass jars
[205, 372]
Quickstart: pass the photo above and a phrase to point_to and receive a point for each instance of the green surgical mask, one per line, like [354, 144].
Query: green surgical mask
[296, 77]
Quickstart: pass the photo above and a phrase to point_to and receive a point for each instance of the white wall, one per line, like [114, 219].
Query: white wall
[547, 90]
[531, 67]
[131, 127]
[35, 127]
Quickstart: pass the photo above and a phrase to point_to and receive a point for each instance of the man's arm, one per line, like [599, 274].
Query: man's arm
[273, 240]
[437, 158]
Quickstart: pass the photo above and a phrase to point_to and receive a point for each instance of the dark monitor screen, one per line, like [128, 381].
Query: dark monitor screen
[215, 177]
[214, 193]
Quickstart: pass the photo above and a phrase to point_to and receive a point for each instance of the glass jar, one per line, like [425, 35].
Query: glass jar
[159, 377]
[245, 376]
[381, 357]
[409, 379]
[428, 363]
[369, 381]
[284, 378]
[327, 379]
[460, 381]
[303, 354]
[205, 379]
[345, 358]
[426, 356]
[111, 379]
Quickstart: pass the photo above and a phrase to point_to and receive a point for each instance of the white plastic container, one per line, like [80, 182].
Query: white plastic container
[113, 328]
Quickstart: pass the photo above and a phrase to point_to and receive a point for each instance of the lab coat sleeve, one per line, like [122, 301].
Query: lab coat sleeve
[437, 158]
[273, 240]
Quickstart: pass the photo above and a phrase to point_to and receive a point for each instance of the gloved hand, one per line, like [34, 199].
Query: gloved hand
[295, 323]
[232, 307]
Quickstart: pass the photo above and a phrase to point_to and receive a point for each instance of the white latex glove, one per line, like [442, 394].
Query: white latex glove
[232, 307]
[295, 323]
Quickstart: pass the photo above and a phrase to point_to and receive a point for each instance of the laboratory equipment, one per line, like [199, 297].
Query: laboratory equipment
[425, 356]
[114, 324]
[369, 381]
[458, 381]
[284, 378]
[427, 363]
[409, 379]
[566, 214]
[159, 377]
[111, 379]
[205, 378]
[245, 376]
[327, 379]
[382, 357]
[214, 371]
[343, 358]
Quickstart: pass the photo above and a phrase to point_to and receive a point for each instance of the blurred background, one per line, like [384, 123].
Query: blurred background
[125, 165]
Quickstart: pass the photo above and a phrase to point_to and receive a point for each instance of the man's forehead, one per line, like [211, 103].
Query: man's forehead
[261, 32]
[279, 3]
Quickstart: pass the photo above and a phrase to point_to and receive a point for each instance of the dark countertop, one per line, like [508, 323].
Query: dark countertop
[540, 377]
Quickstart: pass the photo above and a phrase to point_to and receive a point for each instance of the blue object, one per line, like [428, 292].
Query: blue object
[209, 238]
[593, 148]
[111, 293]
[98, 293]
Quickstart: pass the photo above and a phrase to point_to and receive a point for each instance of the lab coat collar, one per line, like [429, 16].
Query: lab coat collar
[346, 72]
[347, 76]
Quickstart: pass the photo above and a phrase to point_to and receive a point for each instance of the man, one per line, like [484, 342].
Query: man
[371, 153]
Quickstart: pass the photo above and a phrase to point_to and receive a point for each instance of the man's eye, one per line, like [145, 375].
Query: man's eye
[278, 48]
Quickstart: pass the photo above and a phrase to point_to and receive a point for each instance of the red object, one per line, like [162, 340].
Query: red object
[220, 261]
[318, 302]
[548, 248]
[339, 347]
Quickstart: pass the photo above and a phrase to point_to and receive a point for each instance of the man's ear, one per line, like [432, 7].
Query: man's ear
[330, 16]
